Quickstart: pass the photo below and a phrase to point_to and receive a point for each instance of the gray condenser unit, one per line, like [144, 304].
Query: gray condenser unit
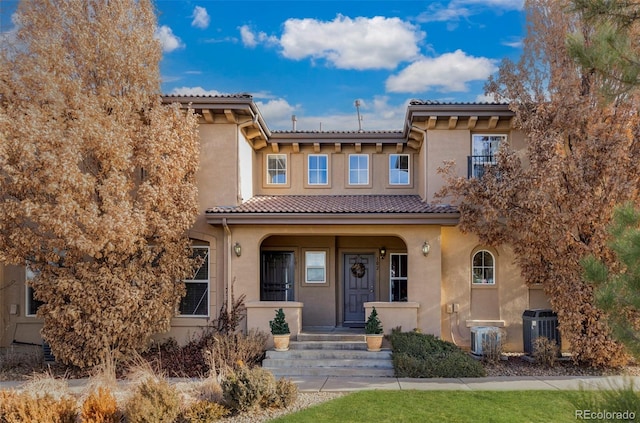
[539, 322]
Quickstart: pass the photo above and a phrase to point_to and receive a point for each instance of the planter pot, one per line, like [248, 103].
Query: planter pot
[374, 342]
[281, 342]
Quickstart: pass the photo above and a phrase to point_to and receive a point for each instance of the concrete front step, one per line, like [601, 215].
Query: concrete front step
[331, 337]
[327, 345]
[330, 371]
[332, 354]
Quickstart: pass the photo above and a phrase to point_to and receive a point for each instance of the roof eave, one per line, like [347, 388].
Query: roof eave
[444, 219]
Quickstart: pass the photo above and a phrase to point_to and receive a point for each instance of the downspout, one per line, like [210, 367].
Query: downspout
[227, 261]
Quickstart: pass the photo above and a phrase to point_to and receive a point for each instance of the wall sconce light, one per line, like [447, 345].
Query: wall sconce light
[237, 249]
[383, 252]
[425, 248]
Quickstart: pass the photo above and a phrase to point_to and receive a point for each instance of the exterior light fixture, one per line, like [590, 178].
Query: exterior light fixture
[237, 249]
[425, 248]
[383, 252]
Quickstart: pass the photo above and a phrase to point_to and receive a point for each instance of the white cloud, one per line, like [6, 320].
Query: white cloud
[252, 39]
[377, 114]
[167, 39]
[360, 43]
[200, 17]
[514, 42]
[448, 72]
[457, 10]
[194, 91]
[248, 37]
[277, 113]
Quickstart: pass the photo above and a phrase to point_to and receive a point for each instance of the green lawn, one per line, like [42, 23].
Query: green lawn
[443, 406]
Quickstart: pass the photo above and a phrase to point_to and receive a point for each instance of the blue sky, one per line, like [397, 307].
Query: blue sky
[315, 58]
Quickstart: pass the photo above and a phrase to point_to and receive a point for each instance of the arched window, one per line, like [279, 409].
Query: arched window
[483, 268]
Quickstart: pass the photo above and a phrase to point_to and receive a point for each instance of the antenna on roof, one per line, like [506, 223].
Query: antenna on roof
[293, 121]
[359, 117]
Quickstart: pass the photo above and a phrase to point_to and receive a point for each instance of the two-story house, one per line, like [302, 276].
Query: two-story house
[327, 225]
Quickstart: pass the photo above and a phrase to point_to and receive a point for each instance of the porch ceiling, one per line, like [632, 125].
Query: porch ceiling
[335, 209]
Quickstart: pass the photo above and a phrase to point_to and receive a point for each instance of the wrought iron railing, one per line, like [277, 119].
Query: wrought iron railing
[477, 165]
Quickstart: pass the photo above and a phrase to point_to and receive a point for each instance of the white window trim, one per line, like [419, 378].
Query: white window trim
[493, 268]
[408, 156]
[187, 281]
[286, 170]
[316, 184]
[501, 135]
[397, 278]
[349, 170]
[307, 267]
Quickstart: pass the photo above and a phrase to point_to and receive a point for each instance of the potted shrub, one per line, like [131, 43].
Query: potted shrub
[280, 331]
[373, 331]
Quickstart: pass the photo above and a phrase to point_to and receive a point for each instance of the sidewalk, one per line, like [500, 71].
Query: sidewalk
[505, 383]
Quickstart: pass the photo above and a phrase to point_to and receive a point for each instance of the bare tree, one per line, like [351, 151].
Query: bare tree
[553, 204]
[97, 177]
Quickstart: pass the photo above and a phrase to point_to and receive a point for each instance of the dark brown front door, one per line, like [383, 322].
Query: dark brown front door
[359, 286]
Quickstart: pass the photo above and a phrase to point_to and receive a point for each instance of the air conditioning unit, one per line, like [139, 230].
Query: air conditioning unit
[484, 336]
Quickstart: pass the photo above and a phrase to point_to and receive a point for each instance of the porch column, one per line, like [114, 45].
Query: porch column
[260, 313]
[425, 277]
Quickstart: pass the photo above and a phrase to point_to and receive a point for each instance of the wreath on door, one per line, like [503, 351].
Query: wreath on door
[358, 270]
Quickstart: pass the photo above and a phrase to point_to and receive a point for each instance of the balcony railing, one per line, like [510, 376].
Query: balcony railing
[477, 165]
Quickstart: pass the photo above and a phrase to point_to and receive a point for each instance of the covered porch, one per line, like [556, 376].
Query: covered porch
[328, 260]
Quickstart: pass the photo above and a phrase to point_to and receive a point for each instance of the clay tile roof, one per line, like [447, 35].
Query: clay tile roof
[335, 204]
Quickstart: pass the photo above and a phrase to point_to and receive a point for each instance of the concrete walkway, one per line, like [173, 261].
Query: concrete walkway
[506, 383]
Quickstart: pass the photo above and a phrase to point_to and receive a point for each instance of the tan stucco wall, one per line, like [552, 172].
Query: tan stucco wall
[500, 305]
[16, 327]
[338, 171]
[322, 303]
[446, 145]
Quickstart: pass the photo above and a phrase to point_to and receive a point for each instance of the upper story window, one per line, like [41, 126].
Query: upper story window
[483, 268]
[399, 169]
[358, 169]
[318, 169]
[276, 169]
[484, 150]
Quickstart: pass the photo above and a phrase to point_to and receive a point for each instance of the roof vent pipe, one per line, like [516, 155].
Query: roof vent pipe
[293, 122]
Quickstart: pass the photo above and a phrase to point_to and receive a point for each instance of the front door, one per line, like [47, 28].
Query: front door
[359, 286]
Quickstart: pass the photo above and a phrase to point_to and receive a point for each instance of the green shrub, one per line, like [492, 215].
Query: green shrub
[203, 412]
[373, 325]
[419, 345]
[424, 356]
[23, 407]
[153, 401]
[246, 389]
